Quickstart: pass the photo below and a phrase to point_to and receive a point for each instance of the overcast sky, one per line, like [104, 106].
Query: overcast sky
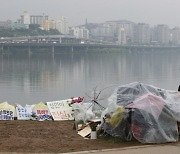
[76, 11]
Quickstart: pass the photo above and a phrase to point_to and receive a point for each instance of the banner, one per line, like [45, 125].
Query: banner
[7, 111]
[23, 113]
[6, 115]
[61, 110]
[41, 112]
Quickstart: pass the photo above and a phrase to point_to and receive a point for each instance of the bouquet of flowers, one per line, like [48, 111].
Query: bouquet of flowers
[93, 125]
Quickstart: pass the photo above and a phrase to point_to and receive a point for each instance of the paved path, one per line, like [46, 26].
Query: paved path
[147, 149]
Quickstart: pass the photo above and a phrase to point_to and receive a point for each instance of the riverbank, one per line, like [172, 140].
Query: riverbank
[49, 137]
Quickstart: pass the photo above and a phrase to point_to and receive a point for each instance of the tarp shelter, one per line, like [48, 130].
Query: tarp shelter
[151, 121]
[127, 93]
[142, 112]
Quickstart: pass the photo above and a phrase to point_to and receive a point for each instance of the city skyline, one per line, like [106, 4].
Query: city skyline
[18, 18]
[77, 11]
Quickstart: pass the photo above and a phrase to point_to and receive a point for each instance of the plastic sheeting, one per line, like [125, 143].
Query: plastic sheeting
[83, 112]
[143, 112]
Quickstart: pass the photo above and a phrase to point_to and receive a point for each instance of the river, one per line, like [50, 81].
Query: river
[30, 79]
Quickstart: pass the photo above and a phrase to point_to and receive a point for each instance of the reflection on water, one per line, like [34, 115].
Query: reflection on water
[30, 79]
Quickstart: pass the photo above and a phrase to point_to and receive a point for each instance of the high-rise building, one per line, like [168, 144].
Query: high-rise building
[38, 19]
[110, 31]
[103, 32]
[153, 36]
[62, 25]
[122, 36]
[128, 27]
[48, 24]
[142, 33]
[32, 19]
[80, 32]
[25, 18]
[163, 34]
[175, 36]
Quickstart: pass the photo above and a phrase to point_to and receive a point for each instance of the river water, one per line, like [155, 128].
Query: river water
[30, 79]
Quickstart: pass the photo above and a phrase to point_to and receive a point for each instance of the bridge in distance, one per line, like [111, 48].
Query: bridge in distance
[69, 43]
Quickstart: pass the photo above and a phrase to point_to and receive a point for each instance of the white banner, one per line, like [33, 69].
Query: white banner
[7, 112]
[61, 110]
[22, 113]
[6, 115]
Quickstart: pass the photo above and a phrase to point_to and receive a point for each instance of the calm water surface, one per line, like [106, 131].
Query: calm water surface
[31, 79]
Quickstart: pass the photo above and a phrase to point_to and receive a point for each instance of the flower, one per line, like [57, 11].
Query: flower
[93, 125]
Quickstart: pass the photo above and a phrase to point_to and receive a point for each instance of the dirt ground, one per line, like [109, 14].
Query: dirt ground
[48, 137]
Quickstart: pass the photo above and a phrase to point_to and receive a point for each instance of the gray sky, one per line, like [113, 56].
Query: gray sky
[148, 11]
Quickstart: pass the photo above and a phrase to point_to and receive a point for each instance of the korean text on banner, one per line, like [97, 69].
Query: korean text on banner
[7, 111]
[61, 110]
[41, 112]
[22, 113]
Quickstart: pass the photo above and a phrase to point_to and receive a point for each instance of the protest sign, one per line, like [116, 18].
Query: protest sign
[41, 112]
[7, 111]
[61, 110]
[6, 115]
[23, 113]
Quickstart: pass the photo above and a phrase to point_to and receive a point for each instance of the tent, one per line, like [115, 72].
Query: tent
[147, 116]
[151, 121]
[130, 92]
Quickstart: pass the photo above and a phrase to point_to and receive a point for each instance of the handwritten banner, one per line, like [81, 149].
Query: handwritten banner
[61, 110]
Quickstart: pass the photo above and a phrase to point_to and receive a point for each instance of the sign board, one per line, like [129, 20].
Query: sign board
[41, 112]
[7, 111]
[6, 115]
[61, 110]
[22, 113]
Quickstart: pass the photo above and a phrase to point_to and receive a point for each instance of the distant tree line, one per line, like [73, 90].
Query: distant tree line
[34, 30]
